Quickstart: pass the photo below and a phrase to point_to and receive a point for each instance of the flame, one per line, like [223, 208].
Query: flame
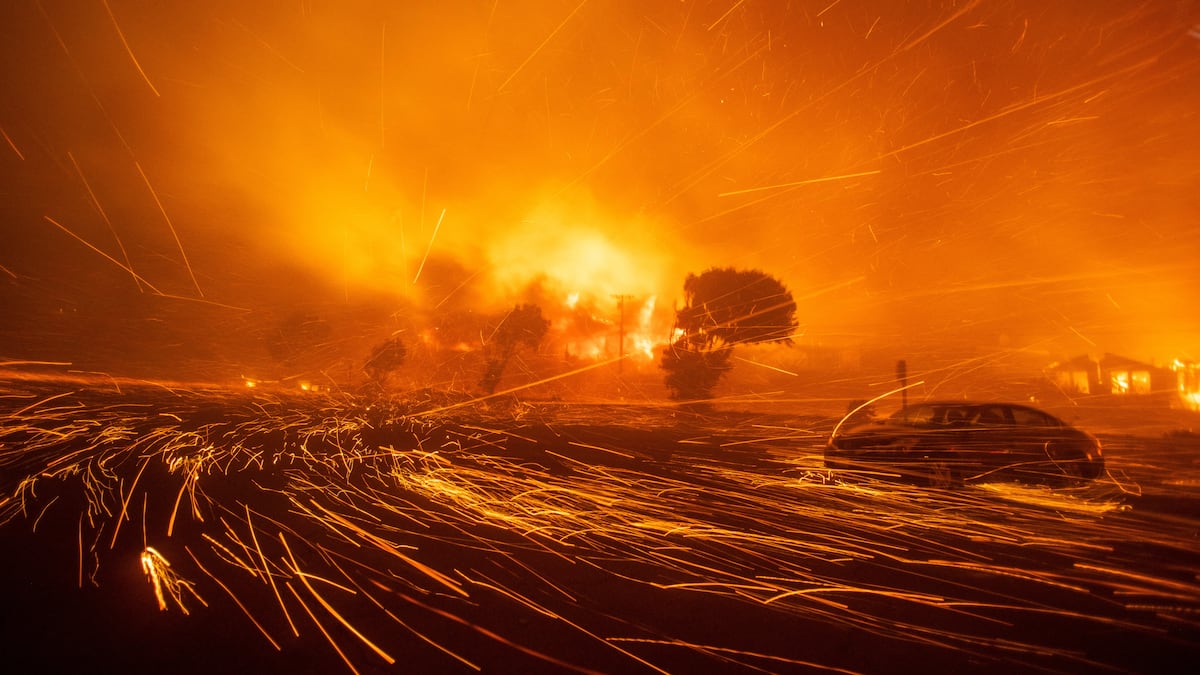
[588, 253]
[1193, 400]
[624, 326]
[1188, 381]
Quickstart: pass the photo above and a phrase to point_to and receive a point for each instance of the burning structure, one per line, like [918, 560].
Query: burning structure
[1120, 378]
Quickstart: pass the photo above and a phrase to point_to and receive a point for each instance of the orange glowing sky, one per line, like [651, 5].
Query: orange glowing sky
[1004, 174]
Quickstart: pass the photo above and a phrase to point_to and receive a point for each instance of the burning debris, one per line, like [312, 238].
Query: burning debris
[386, 530]
[437, 248]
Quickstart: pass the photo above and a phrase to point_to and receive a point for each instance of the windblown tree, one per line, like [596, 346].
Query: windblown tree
[723, 307]
[524, 326]
[385, 359]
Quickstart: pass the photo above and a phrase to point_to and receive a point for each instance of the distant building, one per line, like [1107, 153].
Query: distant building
[1080, 375]
[1116, 376]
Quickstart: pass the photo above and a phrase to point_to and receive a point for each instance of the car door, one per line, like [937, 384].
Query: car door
[982, 436]
[1034, 430]
[995, 440]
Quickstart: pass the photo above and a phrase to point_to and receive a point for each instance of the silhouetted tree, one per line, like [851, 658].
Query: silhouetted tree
[385, 358]
[523, 326]
[691, 372]
[723, 307]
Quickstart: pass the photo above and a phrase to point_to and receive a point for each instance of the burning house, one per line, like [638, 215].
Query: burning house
[1118, 377]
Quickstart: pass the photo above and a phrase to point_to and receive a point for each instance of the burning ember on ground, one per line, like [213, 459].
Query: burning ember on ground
[507, 336]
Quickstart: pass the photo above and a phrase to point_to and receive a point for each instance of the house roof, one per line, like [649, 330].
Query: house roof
[1082, 362]
[1106, 362]
[1110, 361]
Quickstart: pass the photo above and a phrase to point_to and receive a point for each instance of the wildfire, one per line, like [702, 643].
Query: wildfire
[967, 173]
[629, 328]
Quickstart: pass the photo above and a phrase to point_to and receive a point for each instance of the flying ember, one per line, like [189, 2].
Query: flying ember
[577, 336]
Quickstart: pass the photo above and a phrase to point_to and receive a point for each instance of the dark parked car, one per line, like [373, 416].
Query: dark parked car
[948, 442]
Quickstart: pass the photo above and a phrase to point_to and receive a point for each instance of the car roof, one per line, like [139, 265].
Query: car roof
[966, 404]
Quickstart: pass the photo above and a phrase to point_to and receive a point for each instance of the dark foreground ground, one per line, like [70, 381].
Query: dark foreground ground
[324, 534]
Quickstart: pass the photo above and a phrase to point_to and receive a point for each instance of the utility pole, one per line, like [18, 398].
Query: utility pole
[621, 298]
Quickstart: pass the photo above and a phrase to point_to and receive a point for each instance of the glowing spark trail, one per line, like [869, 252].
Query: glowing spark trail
[960, 189]
[708, 527]
[170, 226]
[965, 9]
[128, 49]
[429, 248]
[721, 18]
[811, 181]
[106, 256]
[11, 144]
[104, 216]
[540, 47]
[166, 582]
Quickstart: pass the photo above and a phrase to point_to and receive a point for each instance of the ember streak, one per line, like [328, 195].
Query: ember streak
[572, 538]
[1001, 175]
[215, 214]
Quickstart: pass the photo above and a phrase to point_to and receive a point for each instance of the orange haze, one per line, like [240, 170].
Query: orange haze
[1015, 175]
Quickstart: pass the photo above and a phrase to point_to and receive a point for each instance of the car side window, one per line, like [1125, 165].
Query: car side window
[958, 416]
[992, 416]
[1032, 418]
